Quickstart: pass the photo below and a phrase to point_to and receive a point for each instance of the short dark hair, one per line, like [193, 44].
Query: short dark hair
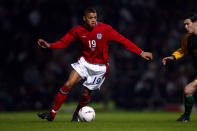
[90, 10]
[192, 16]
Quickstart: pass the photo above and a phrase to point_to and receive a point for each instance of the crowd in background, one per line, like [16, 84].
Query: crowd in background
[31, 76]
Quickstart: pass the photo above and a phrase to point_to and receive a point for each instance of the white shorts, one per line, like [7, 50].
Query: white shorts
[93, 73]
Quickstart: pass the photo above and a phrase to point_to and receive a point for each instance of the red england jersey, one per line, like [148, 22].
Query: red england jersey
[95, 42]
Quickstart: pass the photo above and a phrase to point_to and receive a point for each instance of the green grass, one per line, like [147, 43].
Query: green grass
[105, 121]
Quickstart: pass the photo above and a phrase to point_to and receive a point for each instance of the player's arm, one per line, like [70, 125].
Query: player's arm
[169, 58]
[42, 43]
[175, 55]
[146, 55]
[62, 43]
[115, 36]
[179, 53]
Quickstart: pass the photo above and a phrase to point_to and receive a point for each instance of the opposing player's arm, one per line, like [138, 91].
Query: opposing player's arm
[179, 53]
[165, 59]
[175, 55]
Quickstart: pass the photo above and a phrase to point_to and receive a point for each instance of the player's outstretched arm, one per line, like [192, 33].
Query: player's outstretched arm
[43, 43]
[147, 55]
[165, 59]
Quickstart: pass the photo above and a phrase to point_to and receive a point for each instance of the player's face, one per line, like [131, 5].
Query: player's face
[190, 26]
[90, 19]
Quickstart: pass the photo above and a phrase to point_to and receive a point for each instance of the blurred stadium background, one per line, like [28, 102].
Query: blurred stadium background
[31, 76]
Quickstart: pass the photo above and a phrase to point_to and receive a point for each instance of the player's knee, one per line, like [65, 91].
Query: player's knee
[68, 84]
[86, 92]
[188, 92]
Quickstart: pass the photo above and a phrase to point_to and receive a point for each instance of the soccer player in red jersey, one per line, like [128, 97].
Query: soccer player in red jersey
[92, 66]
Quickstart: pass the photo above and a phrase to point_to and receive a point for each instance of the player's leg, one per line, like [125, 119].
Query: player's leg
[84, 100]
[61, 96]
[94, 75]
[188, 101]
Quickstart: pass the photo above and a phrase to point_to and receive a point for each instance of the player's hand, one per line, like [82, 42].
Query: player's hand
[147, 55]
[43, 43]
[165, 59]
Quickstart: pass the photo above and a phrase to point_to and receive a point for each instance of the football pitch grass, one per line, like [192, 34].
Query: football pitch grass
[105, 121]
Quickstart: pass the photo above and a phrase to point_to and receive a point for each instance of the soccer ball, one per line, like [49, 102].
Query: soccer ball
[86, 114]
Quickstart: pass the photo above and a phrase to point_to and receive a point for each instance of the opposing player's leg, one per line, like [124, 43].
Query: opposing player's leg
[61, 96]
[84, 100]
[188, 101]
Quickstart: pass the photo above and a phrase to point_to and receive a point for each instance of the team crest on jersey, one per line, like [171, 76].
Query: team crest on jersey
[99, 36]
